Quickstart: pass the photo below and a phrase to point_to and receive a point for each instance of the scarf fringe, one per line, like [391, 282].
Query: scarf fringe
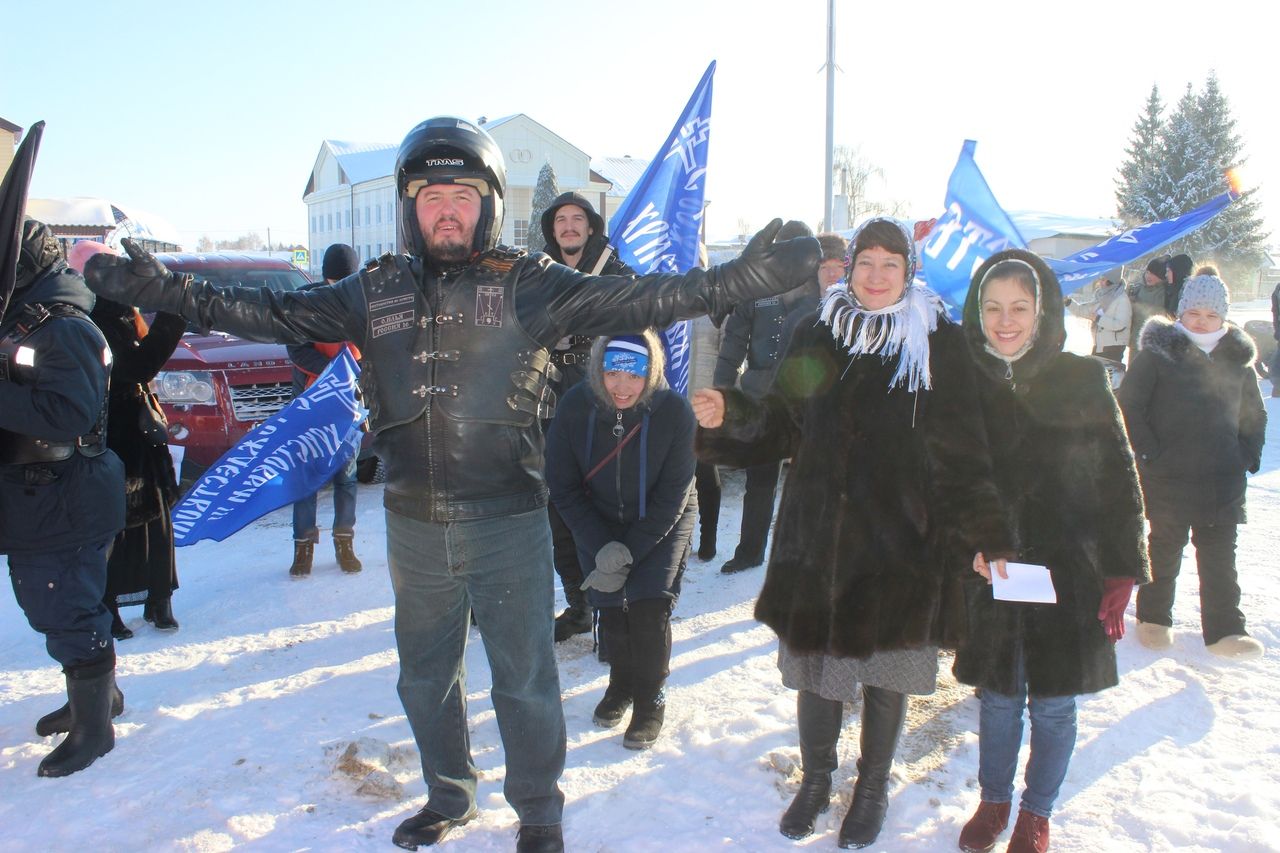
[899, 330]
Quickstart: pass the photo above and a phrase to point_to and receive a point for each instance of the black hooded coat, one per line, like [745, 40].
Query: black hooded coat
[1070, 492]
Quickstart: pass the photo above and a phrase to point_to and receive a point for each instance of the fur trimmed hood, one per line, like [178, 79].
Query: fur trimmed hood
[1163, 338]
[657, 371]
[1050, 334]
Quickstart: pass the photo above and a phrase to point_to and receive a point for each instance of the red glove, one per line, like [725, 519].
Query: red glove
[1116, 593]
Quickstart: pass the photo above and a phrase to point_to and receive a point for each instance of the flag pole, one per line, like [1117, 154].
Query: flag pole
[831, 110]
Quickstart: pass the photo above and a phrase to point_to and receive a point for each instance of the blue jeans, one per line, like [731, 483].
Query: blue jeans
[1053, 737]
[344, 507]
[500, 568]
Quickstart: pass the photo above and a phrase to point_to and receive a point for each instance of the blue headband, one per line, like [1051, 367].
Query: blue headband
[628, 354]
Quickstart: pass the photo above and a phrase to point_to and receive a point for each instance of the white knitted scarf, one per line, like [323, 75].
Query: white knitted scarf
[1204, 340]
[901, 329]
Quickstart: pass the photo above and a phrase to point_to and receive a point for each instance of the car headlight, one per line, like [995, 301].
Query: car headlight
[183, 386]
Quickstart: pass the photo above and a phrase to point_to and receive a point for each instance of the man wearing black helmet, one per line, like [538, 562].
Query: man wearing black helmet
[456, 335]
[61, 490]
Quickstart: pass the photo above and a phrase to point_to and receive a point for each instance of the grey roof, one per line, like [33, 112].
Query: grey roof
[363, 161]
[622, 172]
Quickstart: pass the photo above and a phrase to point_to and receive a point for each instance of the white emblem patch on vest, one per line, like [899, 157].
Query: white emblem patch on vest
[489, 301]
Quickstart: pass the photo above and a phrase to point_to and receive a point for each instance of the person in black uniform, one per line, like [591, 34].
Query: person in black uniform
[456, 338]
[61, 490]
[574, 236]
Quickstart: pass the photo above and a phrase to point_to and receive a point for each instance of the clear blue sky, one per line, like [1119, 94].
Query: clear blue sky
[211, 114]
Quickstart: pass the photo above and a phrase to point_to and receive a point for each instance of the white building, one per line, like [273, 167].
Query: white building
[350, 195]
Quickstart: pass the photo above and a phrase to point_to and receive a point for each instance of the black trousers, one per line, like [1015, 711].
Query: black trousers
[565, 554]
[706, 481]
[639, 643]
[1220, 614]
[61, 594]
[757, 511]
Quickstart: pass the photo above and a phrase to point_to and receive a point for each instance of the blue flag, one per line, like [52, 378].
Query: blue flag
[659, 226]
[289, 456]
[1075, 271]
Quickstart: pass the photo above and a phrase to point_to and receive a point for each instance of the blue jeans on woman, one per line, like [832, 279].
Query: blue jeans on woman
[344, 507]
[500, 568]
[1053, 737]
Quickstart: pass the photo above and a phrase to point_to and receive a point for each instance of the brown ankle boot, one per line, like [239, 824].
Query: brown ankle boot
[980, 833]
[1030, 834]
[303, 550]
[343, 550]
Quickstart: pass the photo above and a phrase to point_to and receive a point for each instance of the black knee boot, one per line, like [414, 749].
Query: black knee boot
[90, 691]
[576, 618]
[819, 722]
[883, 713]
[649, 635]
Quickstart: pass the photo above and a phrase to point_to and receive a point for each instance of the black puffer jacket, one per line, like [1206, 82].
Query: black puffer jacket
[58, 396]
[1070, 492]
[644, 497]
[1196, 422]
[452, 357]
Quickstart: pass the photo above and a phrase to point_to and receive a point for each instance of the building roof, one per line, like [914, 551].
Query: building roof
[363, 161]
[622, 172]
[86, 211]
[1037, 224]
[9, 126]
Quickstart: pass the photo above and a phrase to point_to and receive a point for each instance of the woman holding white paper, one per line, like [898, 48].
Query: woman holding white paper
[1066, 473]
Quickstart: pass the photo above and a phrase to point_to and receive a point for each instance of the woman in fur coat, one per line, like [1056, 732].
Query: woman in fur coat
[1197, 423]
[889, 496]
[620, 467]
[1070, 491]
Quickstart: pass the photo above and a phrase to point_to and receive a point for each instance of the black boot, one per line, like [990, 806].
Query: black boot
[646, 719]
[346, 554]
[119, 630]
[303, 551]
[91, 735]
[540, 839]
[59, 721]
[649, 642]
[617, 696]
[576, 618]
[425, 828]
[819, 722]
[160, 613]
[883, 713]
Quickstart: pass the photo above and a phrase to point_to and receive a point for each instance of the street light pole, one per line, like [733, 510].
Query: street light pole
[831, 110]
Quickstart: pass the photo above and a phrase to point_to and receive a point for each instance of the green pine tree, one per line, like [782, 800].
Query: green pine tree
[1138, 173]
[543, 195]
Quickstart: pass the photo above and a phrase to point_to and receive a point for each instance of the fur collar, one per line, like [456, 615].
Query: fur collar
[657, 371]
[1161, 337]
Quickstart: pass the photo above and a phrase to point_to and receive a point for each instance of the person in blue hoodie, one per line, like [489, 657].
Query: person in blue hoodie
[620, 466]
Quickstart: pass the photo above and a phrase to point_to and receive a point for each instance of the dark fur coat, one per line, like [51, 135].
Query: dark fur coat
[1197, 423]
[1068, 483]
[888, 496]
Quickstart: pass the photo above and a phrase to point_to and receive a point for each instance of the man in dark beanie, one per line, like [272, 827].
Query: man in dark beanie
[831, 267]
[757, 333]
[1176, 273]
[309, 361]
[574, 236]
[61, 490]
[1148, 300]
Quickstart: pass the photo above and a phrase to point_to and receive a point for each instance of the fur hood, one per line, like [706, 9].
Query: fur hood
[657, 371]
[1050, 334]
[1163, 338]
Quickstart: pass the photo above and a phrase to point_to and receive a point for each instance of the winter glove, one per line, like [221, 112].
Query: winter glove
[1115, 598]
[765, 268]
[138, 279]
[613, 564]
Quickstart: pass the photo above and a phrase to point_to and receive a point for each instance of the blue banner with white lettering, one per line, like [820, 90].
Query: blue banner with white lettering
[290, 455]
[1075, 271]
[659, 226]
[973, 229]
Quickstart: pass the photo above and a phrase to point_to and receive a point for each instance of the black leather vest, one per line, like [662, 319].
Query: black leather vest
[455, 387]
[17, 357]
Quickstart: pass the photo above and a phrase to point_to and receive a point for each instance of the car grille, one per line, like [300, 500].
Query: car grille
[256, 402]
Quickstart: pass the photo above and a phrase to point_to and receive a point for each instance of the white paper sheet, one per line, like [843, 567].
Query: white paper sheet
[1026, 582]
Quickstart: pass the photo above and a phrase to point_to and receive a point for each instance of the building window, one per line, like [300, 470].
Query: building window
[313, 223]
[330, 228]
[522, 233]
[357, 215]
[390, 216]
[367, 219]
[379, 250]
[378, 211]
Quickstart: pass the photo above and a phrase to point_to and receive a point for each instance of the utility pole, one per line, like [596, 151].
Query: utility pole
[831, 111]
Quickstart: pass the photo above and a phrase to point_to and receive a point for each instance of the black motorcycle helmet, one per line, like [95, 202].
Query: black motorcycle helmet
[450, 150]
[39, 251]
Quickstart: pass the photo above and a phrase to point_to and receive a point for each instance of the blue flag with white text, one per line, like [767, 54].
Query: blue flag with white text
[659, 226]
[973, 229]
[1075, 271]
[289, 456]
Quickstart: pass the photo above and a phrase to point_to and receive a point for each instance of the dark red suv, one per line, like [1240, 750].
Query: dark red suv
[217, 387]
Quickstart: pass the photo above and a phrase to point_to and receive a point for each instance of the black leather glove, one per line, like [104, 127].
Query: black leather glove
[138, 279]
[765, 268]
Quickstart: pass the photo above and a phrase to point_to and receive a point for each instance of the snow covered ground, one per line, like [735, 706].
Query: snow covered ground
[236, 725]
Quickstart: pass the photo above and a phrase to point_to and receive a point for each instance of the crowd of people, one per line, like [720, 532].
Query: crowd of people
[521, 413]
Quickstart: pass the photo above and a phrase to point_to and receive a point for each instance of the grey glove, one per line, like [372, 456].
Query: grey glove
[138, 279]
[613, 564]
[765, 268]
